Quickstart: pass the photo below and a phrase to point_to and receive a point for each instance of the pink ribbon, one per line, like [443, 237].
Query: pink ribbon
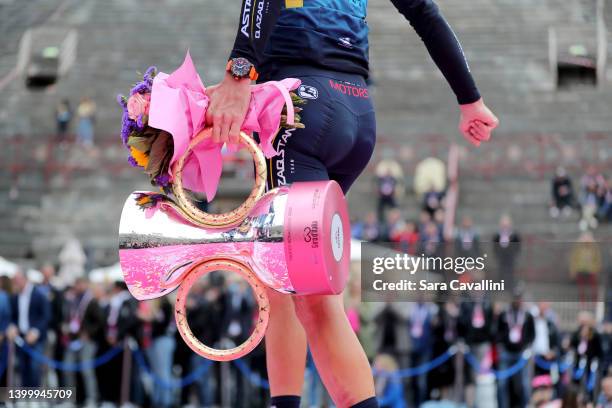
[178, 106]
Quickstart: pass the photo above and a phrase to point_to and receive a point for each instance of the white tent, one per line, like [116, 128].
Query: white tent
[106, 274]
[8, 268]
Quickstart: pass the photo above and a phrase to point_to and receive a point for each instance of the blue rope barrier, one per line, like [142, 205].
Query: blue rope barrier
[420, 369]
[579, 372]
[499, 374]
[547, 365]
[189, 379]
[254, 378]
[62, 366]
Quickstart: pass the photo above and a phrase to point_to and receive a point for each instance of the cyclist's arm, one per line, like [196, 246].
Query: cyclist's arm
[442, 45]
[257, 19]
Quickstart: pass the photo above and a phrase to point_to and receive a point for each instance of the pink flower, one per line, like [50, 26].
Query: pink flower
[138, 104]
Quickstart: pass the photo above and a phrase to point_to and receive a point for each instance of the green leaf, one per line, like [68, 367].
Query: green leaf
[141, 143]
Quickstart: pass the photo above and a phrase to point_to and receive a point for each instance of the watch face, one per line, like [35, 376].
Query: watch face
[241, 67]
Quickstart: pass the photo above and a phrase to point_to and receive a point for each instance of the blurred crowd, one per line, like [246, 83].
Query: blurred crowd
[87, 321]
[593, 199]
[82, 119]
[132, 350]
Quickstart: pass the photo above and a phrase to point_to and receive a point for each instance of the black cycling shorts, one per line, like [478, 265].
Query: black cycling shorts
[340, 129]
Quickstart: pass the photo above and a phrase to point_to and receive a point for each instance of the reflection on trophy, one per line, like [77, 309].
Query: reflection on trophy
[293, 239]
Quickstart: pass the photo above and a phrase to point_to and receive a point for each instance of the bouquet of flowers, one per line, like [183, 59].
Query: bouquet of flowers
[163, 112]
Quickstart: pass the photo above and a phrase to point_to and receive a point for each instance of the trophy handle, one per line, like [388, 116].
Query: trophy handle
[203, 218]
[259, 290]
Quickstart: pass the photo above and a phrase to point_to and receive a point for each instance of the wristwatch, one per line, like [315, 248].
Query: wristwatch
[241, 68]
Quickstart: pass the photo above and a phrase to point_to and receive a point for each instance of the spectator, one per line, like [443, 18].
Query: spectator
[5, 321]
[606, 347]
[562, 194]
[120, 322]
[445, 332]
[207, 320]
[371, 228]
[586, 344]
[160, 326]
[394, 222]
[31, 318]
[429, 175]
[420, 331]
[389, 179]
[604, 212]
[55, 296]
[424, 219]
[86, 113]
[432, 201]
[406, 238]
[542, 395]
[507, 248]
[438, 218]
[389, 388]
[516, 332]
[476, 328]
[546, 342]
[467, 240]
[585, 266]
[605, 398]
[86, 323]
[589, 200]
[591, 177]
[63, 116]
[431, 244]
[388, 325]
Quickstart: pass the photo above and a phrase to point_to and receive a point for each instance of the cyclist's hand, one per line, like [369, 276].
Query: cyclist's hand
[229, 102]
[477, 122]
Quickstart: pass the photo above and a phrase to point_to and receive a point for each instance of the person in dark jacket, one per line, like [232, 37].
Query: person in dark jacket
[31, 317]
[207, 320]
[516, 332]
[85, 323]
[587, 347]
[547, 342]
[120, 323]
[562, 194]
[507, 247]
[476, 328]
[5, 320]
[55, 295]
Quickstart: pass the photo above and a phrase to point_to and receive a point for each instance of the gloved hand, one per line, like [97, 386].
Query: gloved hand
[477, 122]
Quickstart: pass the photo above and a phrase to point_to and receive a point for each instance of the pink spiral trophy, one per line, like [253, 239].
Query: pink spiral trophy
[293, 239]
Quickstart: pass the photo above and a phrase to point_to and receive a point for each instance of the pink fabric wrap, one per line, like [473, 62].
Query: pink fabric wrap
[178, 106]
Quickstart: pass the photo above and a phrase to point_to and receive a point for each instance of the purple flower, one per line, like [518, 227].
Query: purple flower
[141, 87]
[122, 100]
[139, 122]
[127, 125]
[162, 180]
[132, 162]
[149, 75]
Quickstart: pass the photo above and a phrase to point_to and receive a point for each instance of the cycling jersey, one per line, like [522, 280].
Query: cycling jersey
[333, 34]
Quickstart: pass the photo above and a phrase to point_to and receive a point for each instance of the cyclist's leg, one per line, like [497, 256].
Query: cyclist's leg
[285, 337]
[285, 347]
[342, 363]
